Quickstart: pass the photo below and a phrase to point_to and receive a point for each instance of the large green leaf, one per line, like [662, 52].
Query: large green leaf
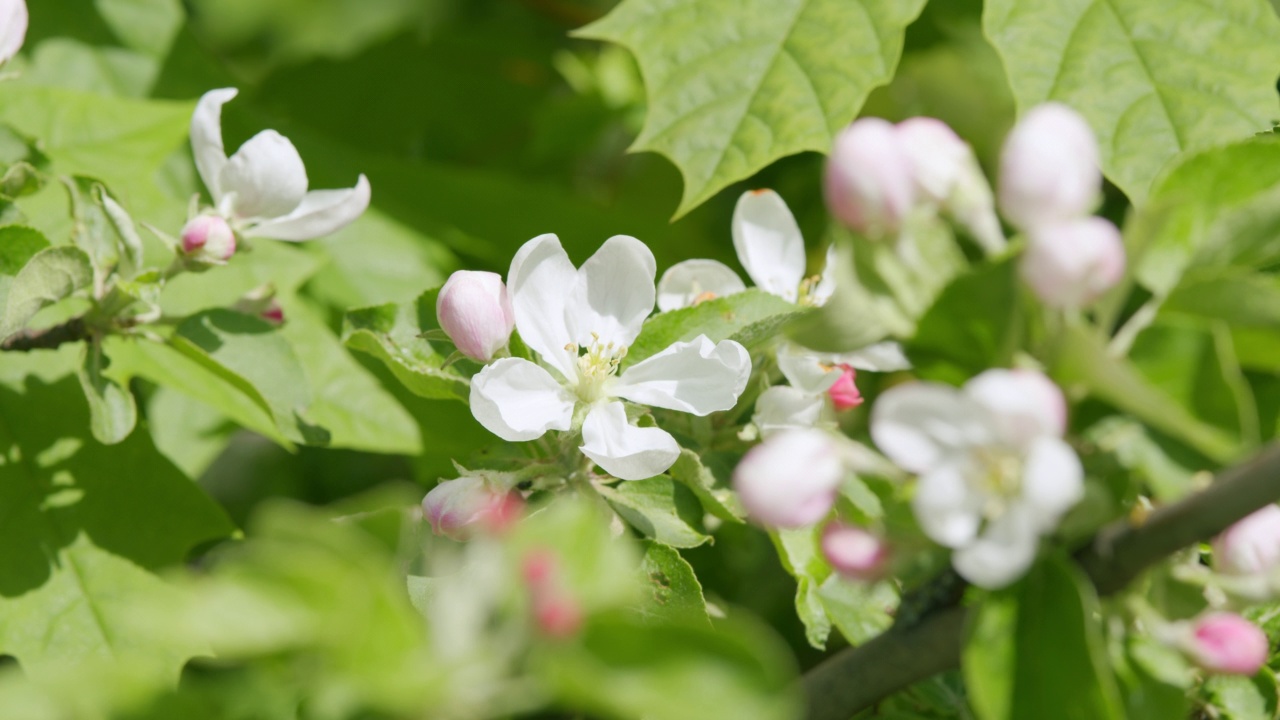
[391, 334]
[752, 317]
[1154, 79]
[86, 528]
[659, 508]
[735, 84]
[51, 275]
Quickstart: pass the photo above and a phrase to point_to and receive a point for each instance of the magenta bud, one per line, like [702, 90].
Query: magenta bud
[790, 480]
[844, 393]
[854, 552]
[474, 310]
[458, 508]
[1049, 168]
[210, 237]
[1227, 644]
[868, 183]
[273, 313]
[1071, 264]
[1251, 546]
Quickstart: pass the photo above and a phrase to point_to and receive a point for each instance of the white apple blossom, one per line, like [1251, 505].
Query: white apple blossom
[581, 321]
[261, 190]
[994, 472]
[690, 282]
[13, 27]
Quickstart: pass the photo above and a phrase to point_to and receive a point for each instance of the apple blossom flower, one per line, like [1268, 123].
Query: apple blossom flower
[580, 322]
[1226, 644]
[853, 552]
[208, 238]
[261, 190]
[868, 182]
[1251, 546]
[690, 282]
[790, 480]
[946, 173]
[475, 312]
[994, 472]
[1069, 264]
[455, 508]
[13, 27]
[1049, 169]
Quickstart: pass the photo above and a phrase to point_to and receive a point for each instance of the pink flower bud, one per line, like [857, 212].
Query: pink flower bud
[1251, 546]
[1049, 168]
[854, 552]
[475, 311]
[844, 393]
[790, 479]
[210, 237]
[1227, 644]
[1071, 264]
[555, 613]
[273, 313]
[868, 183]
[456, 508]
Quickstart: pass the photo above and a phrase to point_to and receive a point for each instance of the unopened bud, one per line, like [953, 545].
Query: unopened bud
[1227, 644]
[555, 613]
[1071, 264]
[474, 309]
[1251, 546]
[854, 552]
[868, 182]
[844, 393]
[456, 508]
[209, 237]
[273, 313]
[947, 173]
[790, 479]
[1049, 168]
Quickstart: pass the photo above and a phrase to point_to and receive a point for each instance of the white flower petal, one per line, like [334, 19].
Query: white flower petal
[13, 27]
[1003, 553]
[321, 212]
[884, 356]
[1023, 403]
[518, 400]
[267, 176]
[624, 450]
[1052, 481]
[692, 281]
[696, 376]
[206, 138]
[946, 508]
[613, 294]
[826, 286]
[783, 407]
[769, 243]
[539, 282]
[810, 371]
[917, 424]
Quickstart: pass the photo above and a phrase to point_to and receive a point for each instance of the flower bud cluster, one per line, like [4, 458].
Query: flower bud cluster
[1049, 184]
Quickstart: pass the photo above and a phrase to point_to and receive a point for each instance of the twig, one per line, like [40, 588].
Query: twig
[47, 338]
[856, 678]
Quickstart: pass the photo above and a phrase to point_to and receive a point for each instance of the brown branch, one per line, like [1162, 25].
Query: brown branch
[857, 678]
[47, 338]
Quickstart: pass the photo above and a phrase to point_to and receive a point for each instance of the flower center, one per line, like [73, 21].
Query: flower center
[999, 478]
[805, 294]
[596, 366]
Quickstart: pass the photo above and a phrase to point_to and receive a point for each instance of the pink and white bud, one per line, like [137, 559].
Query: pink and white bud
[556, 613]
[1251, 546]
[947, 173]
[1049, 170]
[854, 552]
[273, 313]
[13, 27]
[1071, 264]
[790, 480]
[868, 182]
[458, 508]
[1226, 644]
[474, 309]
[844, 393]
[209, 237]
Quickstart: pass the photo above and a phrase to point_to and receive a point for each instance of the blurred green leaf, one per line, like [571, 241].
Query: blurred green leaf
[751, 317]
[1139, 452]
[390, 333]
[49, 276]
[660, 509]
[1153, 678]
[112, 410]
[18, 245]
[716, 498]
[1244, 698]
[734, 86]
[673, 592]
[973, 324]
[859, 610]
[801, 555]
[1153, 80]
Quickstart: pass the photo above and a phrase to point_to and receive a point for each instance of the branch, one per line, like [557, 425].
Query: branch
[856, 678]
[46, 338]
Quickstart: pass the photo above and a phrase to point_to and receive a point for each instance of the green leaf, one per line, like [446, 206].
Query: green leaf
[715, 497]
[801, 554]
[1139, 452]
[1244, 698]
[859, 610]
[750, 317]
[51, 275]
[1153, 80]
[112, 410]
[18, 245]
[1153, 678]
[87, 527]
[672, 591]
[390, 333]
[1035, 650]
[659, 508]
[736, 84]
[972, 325]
